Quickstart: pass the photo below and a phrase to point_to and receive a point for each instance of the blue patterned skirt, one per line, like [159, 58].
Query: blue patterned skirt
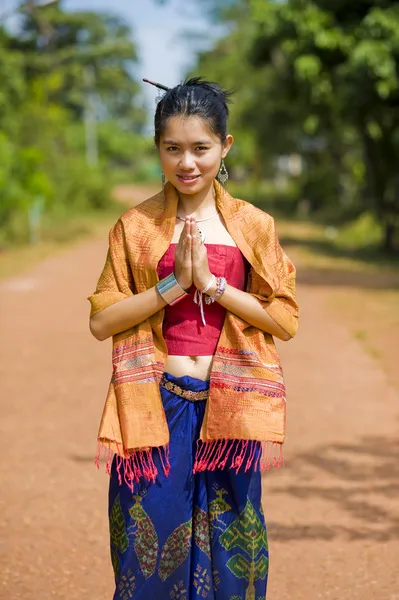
[188, 536]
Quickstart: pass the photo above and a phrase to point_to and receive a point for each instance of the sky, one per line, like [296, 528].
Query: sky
[158, 30]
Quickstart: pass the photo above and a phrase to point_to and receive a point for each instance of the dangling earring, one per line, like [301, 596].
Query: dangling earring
[163, 181]
[223, 174]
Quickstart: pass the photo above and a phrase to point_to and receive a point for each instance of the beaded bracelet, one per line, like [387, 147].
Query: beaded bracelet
[221, 288]
[170, 290]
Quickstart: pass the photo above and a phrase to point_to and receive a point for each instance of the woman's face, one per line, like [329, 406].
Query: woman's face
[191, 153]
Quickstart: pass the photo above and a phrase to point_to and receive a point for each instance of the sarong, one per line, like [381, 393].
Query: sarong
[187, 536]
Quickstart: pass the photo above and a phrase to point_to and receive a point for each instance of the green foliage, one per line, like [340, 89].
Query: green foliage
[362, 232]
[55, 72]
[320, 80]
[346, 74]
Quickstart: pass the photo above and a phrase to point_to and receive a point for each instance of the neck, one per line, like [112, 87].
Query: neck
[200, 205]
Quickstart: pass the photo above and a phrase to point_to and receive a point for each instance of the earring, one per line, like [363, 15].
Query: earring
[223, 174]
[163, 180]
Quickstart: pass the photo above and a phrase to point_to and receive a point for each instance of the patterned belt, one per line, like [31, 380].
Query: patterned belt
[186, 394]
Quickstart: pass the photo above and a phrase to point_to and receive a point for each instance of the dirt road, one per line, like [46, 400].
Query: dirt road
[332, 513]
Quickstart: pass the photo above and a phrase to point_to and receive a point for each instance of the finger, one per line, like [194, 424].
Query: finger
[187, 245]
[183, 236]
[197, 236]
[194, 231]
[194, 242]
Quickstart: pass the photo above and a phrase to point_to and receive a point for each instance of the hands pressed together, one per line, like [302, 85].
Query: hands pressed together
[191, 258]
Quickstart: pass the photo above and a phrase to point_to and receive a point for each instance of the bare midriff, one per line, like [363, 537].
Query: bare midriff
[194, 366]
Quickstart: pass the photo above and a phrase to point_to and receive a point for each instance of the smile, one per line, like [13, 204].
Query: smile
[187, 179]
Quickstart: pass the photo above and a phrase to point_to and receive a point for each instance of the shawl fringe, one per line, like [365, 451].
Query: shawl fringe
[238, 455]
[138, 465]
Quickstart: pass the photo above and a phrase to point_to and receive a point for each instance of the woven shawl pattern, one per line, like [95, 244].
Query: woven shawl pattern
[247, 400]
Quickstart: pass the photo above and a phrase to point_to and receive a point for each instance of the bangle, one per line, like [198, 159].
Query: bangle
[170, 290]
[221, 288]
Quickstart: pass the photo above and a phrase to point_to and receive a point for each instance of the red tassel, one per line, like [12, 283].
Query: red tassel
[251, 456]
[165, 461]
[98, 455]
[216, 454]
[118, 467]
[221, 447]
[233, 460]
[282, 463]
[139, 464]
[226, 458]
[246, 454]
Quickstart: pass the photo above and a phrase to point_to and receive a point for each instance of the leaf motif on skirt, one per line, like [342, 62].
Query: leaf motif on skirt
[119, 539]
[201, 531]
[175, 550]
[247, 532]
[146, 544]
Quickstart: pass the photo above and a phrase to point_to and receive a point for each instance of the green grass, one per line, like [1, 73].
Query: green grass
[353, 247]
[320, 240]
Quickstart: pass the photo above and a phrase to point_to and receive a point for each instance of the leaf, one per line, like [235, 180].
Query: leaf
[261, 567]
[247, 532]
[201, 531]
[239, 566]
[117, 525]
[175, 550]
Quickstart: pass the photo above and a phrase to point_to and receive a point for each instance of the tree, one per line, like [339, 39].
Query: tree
[68, 43]
[49, 69]
[342, 63]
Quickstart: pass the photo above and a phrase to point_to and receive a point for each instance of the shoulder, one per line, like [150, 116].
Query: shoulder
[252, 214]
[143, 215]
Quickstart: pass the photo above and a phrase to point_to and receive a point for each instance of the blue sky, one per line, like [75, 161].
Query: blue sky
[158, 30]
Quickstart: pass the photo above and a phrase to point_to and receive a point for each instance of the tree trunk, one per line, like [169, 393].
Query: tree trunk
[389, 237]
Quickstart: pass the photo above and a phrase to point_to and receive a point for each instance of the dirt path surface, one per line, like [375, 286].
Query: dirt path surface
[332, 513]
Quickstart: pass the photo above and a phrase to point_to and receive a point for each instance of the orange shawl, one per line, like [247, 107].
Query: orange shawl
[247, 393]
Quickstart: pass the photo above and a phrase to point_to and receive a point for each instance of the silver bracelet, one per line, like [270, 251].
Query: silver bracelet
[170, 290]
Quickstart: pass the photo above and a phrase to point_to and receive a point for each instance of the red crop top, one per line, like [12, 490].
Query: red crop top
[183, 330]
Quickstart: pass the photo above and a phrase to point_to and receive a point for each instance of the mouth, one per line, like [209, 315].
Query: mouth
[188, 179]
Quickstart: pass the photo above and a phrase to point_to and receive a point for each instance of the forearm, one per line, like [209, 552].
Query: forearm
[250, 310]
[126, 314]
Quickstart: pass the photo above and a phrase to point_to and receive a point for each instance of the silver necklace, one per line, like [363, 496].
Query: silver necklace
[200, 231]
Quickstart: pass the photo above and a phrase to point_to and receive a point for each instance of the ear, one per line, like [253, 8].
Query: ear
[229, 141]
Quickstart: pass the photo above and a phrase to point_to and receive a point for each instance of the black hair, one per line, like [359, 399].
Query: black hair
[194, 97]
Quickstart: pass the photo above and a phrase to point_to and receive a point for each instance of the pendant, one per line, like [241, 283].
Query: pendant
[201, 234]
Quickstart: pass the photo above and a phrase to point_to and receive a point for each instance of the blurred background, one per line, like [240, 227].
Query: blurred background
[315, 110]
[315, 117]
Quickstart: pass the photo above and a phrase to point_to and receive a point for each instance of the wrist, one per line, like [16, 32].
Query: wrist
[170, 289]
[221, 284]
[185, 285]
[212, 290]
[202, 283]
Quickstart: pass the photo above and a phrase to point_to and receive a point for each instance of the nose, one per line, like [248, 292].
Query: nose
[187, 161]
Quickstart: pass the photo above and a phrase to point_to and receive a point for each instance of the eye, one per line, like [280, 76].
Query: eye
[201, 148]
[172, 148]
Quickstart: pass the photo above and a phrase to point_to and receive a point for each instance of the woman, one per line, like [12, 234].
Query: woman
[194, 288]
